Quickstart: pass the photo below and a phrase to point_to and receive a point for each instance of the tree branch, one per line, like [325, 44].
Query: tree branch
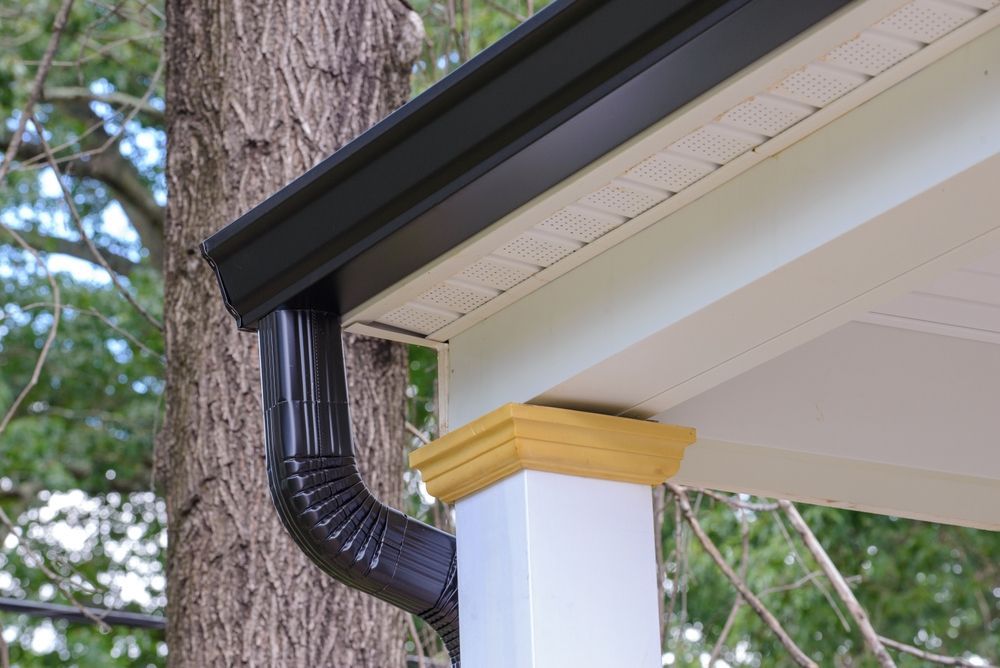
[738, 602]
[107, 321]
[839, 584]
[929, 656]
[4, 651]
[801, 582]
[738, 503]
[36, 87]
[755, 603]
[820, 587]
[659, 511]
[75, 216]
[49, 338]
[35, 558]
[100, 161]
[675, 583]
[417, 644]
[123, 180]
[78, 94]
[78, 249]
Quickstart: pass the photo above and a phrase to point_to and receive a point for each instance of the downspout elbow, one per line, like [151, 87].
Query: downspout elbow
[318, 491]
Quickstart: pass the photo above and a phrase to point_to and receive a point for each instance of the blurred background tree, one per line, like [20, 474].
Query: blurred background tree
[76, 453]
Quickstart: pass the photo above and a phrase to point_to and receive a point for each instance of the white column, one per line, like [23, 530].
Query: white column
[558, 570]
[556, 552]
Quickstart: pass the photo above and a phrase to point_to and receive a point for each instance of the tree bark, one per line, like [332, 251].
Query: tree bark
[257, 92]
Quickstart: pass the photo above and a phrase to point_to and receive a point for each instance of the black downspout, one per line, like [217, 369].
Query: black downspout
[318, 491]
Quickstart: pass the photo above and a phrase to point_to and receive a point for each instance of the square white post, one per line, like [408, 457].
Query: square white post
[556, 552]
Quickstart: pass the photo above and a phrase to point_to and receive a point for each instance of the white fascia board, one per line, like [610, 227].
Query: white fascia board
[888, 195]
[887, 489]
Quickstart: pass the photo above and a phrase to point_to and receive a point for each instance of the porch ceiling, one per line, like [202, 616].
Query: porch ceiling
[896, 411]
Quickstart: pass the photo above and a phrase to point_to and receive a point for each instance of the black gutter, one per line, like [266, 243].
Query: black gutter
[553, 96]
[85, 616]
[317, 488]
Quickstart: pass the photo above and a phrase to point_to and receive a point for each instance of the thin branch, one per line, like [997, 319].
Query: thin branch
[805, 569]
[49, 338]
[4, 651]
[36, 560]
[116, 172]
[442, 516]
[80, 93]
[839, 584]
[103, 49]
[78, 249]
[659, 510]
[431, 663]
[696, 508]
[466, 29]
[107, 321]
[419, 646]
[930, 656]
[801, 582]
[755, 603]
[421, 436]
[36, 87]
[676, 582]
[735, 502]
[110, 140]
[508, 12]
[75, 216]
[738, 602]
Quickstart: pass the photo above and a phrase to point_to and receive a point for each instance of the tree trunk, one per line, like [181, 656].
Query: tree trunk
[258, 92]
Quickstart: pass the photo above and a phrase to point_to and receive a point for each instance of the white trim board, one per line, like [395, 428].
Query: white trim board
[862, 398]
[843, 483]
[886, 197]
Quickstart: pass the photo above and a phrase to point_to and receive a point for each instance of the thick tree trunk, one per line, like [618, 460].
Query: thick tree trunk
[257, 92]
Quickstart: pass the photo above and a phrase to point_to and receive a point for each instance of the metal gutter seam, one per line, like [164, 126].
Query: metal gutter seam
[318, 491]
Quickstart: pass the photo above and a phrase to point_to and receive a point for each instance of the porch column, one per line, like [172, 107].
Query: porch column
[556, 556]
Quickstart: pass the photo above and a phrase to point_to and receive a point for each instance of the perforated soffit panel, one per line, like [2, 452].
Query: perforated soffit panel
[673, 168]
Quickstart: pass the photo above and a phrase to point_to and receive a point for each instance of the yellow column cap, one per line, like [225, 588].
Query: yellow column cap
[516, 437]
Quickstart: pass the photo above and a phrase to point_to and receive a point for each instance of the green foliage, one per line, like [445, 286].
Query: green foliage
[85, 432]
[108, 549]
[88, 425]
[93, 416]
[933, 586]
[458, 30]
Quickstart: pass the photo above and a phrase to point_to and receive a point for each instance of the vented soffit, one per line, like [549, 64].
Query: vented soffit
[832, 68]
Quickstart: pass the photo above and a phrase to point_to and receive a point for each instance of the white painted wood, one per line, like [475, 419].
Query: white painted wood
[930, 327]
[944, 309]
[547, 559]
[383, 332]
[494, 592]
[967, 285]
[867, 393]
[899, 491]
[868, 417]
[876, 202]
[987, 265]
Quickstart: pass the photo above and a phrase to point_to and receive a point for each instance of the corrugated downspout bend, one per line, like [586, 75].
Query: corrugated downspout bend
[316, 487]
